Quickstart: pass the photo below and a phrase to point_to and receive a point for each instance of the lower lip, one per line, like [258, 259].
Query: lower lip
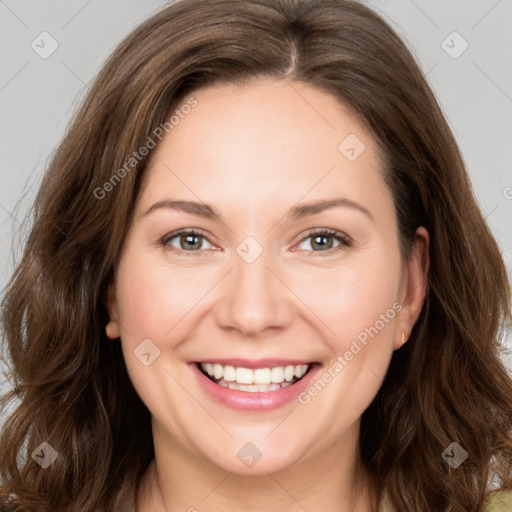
[255, 402]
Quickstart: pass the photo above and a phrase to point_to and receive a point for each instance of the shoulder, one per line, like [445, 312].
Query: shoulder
[499, 501]
[496, 501]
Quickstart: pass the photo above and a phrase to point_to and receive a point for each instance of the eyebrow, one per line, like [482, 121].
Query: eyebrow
[307, 209]
[297, 212]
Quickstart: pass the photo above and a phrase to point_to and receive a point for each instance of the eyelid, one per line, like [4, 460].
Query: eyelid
[184, 231]
[328, 231]
[343, 238]
[164, 241]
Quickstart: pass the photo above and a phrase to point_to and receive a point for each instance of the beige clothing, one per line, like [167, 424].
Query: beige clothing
[497, 501]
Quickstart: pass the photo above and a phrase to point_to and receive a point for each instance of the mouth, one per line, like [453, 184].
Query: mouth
[254, 380]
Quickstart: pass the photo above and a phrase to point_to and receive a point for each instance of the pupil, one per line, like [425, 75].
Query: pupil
[322, 244]
[318, 241]
[189, 239]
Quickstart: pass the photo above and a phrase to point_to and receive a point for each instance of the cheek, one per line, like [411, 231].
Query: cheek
[352, 297]
[154, 297]
[359, 307]
[156, 302]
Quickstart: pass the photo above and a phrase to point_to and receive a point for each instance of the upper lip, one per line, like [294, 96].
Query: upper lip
[255, 363]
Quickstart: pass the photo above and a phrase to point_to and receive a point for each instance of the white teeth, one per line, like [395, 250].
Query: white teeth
[244, 376]
[218, 371]
[277, 374]
[254, 388]
[264, 377]
[289, 372]
[229, 373]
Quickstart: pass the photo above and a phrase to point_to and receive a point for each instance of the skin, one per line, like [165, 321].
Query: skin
[253, 152]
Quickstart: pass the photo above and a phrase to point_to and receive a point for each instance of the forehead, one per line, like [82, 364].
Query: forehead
[263, 141]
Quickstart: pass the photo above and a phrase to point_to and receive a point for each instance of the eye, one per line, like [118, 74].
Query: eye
[323, 240]
[189, 240]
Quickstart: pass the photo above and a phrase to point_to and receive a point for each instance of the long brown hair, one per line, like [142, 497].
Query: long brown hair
[446, 384]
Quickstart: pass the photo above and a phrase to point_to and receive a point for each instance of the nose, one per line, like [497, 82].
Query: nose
[254, 298]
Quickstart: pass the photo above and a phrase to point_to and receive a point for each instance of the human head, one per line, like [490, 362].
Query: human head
[339, 47]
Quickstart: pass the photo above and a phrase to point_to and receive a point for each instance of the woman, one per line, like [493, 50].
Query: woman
[177, 340]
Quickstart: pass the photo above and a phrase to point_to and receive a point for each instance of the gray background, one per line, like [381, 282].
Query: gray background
[38, 95]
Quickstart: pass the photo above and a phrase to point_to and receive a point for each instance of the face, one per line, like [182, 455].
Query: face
[291, 264]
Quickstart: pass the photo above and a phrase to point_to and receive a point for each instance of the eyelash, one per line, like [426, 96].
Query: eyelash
[345, 241]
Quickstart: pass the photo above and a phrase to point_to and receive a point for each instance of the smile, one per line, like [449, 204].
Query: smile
[259, 380]
[254, 386]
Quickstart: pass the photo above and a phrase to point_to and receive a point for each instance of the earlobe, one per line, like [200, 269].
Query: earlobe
[403, 339]
[112, 328]
[415, 286]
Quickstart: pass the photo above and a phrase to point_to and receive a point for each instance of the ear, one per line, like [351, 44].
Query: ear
[112, 328]
[414, 286]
